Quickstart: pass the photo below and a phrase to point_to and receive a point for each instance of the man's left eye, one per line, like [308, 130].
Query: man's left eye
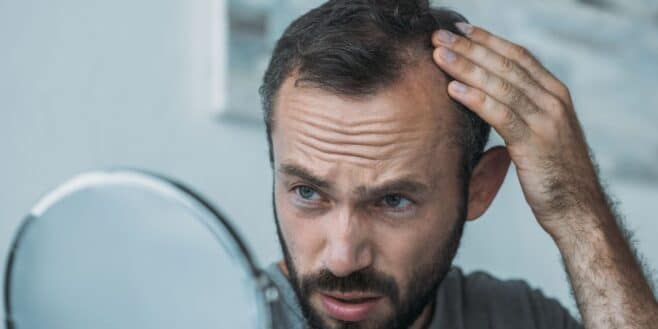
[396, 201]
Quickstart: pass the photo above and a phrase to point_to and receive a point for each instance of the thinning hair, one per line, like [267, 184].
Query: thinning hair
[357, 48]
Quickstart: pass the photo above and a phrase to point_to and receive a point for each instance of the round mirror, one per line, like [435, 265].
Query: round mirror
[128, 249]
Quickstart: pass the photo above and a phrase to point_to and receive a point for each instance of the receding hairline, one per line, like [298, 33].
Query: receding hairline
[414, 59]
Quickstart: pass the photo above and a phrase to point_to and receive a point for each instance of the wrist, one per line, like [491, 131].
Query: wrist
[577, 227]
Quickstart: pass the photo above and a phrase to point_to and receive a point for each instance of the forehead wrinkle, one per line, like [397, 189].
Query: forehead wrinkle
[338, 152]
[377, 154]
[358, 162]
[355, 124]
[369, 146]
[355, 161]
[375, 148]
[376, 141]
[367, 119]
[376, 164]
[360, 129]
[364, 139]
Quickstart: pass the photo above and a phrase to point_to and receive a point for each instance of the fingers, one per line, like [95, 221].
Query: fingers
[520, 55]
[506, 121]
[473, 75]
[493, 62]
[502, 82]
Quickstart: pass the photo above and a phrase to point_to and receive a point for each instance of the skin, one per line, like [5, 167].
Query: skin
[532, 110]
[353, 146]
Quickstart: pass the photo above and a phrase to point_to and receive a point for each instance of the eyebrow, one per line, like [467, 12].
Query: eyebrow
[400, 185]
[303, 173]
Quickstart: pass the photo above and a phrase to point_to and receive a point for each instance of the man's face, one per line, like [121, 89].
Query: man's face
[368, 198]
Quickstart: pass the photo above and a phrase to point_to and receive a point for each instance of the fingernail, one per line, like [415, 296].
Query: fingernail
[464, 27]
[459, 87]
[447, 54]
[446, 36]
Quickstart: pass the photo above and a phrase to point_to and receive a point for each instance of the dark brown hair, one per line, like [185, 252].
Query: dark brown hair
[358, 47]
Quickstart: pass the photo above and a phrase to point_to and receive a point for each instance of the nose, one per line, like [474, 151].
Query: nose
[348, 247]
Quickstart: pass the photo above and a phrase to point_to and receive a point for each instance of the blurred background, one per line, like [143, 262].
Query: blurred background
[171, 86]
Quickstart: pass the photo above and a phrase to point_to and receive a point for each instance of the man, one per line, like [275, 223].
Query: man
[377, 114]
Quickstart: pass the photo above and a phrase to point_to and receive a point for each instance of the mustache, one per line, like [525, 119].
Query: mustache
[365, 280]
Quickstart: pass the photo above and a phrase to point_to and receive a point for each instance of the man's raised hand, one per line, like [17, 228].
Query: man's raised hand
[508, 87]
[532, 110]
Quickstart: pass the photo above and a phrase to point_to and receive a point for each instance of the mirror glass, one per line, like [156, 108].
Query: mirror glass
[123, 249]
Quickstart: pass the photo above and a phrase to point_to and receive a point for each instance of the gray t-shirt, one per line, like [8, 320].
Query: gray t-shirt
[476, 300]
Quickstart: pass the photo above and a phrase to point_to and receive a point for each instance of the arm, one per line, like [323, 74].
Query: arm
[606, 277]
[532, 110]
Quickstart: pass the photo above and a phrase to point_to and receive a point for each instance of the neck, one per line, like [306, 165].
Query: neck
[425, 317]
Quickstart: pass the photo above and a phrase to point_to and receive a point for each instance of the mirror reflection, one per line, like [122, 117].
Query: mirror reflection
[128, 250]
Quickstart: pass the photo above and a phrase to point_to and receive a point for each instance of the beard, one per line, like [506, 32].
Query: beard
[424, 282]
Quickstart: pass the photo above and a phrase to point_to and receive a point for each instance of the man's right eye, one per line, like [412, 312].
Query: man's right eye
[305, 192]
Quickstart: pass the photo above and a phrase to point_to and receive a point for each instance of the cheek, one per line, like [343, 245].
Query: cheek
[402, 249]
[303, 237]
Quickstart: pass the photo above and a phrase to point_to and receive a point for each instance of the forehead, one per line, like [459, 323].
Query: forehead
[405, 129]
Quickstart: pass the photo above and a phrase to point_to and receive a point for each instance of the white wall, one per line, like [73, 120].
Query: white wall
[88, 84]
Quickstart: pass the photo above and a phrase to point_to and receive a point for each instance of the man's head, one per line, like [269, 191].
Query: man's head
[375, 167]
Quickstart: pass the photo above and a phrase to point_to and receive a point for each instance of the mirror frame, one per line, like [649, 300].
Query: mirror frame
[210, 217]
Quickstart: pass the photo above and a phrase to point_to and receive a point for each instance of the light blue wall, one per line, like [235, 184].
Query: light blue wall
[88, 84]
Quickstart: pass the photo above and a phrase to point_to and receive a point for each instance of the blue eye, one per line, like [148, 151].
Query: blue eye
[305, 192]
[396, 201]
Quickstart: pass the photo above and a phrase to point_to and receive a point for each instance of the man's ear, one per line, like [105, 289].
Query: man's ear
[486, 178]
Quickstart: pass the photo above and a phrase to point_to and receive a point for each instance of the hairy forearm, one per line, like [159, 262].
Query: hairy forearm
[610, 287]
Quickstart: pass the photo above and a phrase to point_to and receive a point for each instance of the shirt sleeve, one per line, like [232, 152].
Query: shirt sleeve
[508, 304]
[550, 313]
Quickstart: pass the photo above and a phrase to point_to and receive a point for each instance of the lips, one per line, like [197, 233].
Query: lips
[349, 306]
